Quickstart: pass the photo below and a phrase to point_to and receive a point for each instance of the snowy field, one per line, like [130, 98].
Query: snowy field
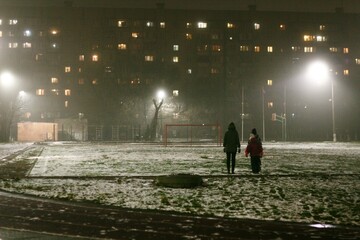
[303, 182]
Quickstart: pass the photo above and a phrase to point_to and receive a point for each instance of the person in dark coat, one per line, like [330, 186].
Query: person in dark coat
[255, 149]
[231, 146]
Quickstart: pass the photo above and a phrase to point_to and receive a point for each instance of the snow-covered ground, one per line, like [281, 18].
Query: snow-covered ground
[304, 182]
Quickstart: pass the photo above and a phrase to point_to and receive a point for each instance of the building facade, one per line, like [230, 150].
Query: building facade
[105, 65]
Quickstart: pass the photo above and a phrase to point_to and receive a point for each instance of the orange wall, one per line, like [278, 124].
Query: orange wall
[37, 132]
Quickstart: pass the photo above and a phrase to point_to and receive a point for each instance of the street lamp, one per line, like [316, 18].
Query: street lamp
[160, 95]
[7, 80]
[319, 72]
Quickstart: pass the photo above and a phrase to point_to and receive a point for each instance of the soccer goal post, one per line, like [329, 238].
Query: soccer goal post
[191, 134]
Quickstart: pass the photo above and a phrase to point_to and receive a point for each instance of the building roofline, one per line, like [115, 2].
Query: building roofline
[348, 6]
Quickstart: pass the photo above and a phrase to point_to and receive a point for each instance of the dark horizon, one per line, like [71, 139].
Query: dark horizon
[349, 6]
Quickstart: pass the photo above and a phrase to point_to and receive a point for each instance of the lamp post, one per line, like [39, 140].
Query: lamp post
[318, 71]
[333, 110]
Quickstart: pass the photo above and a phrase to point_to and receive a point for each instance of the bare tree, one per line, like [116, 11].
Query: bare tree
[154, 121]
[9, 113]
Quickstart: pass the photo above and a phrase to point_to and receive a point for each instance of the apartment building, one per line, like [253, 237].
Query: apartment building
[106, 64]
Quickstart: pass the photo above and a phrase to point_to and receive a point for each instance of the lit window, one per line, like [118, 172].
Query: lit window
[346, 72]
[135, 35]
[282, 27]
[39, 56]
[230, 25]
[308, 49]
[79, 70]
[188, 36]
[322, 27]
[308, 38]
[176, 48]
[244, 48]
[54, 80]
[0, 21]
[333, 49]
[296, 48]
[270, 104]
[0, 33]
[256, 26]
[81, 81]
[54, 45]
[13, 45]
[270, 48]
[149, 58]
[81, 58]
[55, 92]
[162, 24]
[54, 32]
[346, 50]
[175, 93]
[121, 23]
[95, 58]
[188, 25]
[67, 92]
[27, 33]
[135, 81]
[95, 82]
[202, 25]
[108, 69]
[27, 45]
[66, 104]
[67, 69]
[214, 70]
[122, 46]
[216, 48]
[175, 59]
[321, 39]
[269, 82]
[150, 24]
[13, 21]
[257, 49]
[357, 61]
[189, 71]
[40, 92]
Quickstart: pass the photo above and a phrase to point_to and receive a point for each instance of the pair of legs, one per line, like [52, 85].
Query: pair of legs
[230, 156]
[255, 164]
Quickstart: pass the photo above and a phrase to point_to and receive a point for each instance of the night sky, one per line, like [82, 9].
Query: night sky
[262, 5]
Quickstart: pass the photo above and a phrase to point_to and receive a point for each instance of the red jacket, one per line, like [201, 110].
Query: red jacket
[254, 147]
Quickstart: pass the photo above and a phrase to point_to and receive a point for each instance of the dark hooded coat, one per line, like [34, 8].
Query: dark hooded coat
[231, 139]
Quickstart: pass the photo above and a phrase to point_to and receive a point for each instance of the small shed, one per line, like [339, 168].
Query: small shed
[37, 131]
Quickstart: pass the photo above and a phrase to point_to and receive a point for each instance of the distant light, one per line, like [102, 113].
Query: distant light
[54, 32]
[161, 94]
[318, 72]
[318, 225]
[7, 79]
[27, 33]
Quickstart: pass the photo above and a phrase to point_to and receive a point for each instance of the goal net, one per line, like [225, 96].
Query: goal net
[192, 134]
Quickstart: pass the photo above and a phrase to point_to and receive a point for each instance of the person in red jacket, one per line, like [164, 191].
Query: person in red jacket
[255, 149]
